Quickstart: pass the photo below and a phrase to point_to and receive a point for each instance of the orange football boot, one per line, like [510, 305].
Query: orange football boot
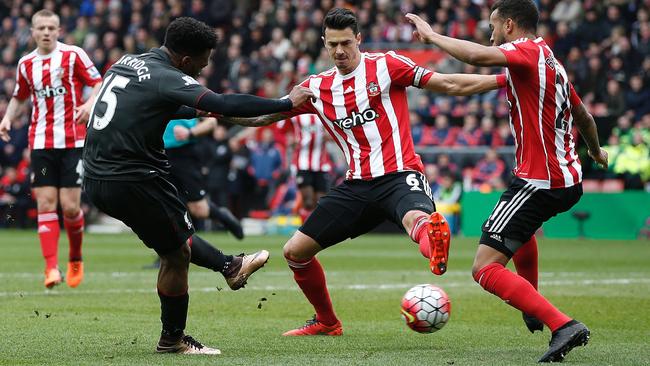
[75, 273]
[52, 277]
[439, 239]
[315, 328]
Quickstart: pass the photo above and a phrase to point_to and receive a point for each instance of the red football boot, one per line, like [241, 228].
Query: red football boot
[314, 327]
[439, 239]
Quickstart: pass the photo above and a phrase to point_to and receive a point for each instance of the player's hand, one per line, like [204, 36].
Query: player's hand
[423, 30]
[600, 157]
[5, 127]
[83, 112]
[299, 95]
[181, 133]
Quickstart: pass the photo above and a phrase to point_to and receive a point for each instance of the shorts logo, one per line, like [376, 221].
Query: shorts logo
[373, 89]
[357, 119]
[496, 237]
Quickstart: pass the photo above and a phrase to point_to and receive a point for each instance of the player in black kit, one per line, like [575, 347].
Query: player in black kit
[126, 168]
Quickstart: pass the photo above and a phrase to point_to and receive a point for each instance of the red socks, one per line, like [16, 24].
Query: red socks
[419, 235]
[310, 277]
[75, 229]
[48, 233]
[525, 260]
[519, 293]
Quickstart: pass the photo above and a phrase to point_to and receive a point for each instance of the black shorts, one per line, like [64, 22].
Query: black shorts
[151, 208]
[521, 210]
[185, 174]
[356, 206]
[318, 180]
[61, 168]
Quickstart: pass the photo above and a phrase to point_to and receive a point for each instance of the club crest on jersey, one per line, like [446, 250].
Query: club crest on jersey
[357, 119]
[373, 89]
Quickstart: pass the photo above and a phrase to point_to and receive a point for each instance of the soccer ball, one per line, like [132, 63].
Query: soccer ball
[426, 308]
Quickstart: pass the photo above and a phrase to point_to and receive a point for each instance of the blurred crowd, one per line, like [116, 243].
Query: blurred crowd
[265, 47]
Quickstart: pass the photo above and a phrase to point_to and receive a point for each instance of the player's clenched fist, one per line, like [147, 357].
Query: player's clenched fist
[300, 94]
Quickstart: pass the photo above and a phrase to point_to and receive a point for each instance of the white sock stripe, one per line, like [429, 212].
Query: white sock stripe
[508, 207]
[507, 218]
[416, 227]
[481, 278]
[294, 264]
[48, 216]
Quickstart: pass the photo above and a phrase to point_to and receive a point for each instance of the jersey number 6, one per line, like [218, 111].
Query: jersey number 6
[107, 96]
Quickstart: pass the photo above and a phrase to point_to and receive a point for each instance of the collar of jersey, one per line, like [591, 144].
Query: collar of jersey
[45, 57]
[355, 71]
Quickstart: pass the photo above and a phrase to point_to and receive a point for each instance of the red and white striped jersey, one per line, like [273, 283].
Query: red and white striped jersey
[366, 113]
[55, 82]
[310, 152]
[540, 97]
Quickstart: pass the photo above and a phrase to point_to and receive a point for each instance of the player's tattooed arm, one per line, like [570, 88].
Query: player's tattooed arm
[253, 121]
[464, 84]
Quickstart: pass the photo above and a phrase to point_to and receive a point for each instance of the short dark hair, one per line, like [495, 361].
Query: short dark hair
[188, 36]
[523, 12]
[340, 18]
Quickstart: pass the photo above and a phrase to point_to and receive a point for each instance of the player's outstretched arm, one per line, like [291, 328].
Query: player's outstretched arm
[13, 112]
[464, 84]
[587, 127]
[244, 105]
[468, 52]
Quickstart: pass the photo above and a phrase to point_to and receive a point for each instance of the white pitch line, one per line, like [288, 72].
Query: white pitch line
[362, 287]
[203, 273]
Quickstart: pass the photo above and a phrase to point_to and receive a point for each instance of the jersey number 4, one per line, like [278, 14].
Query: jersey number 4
[107, 95]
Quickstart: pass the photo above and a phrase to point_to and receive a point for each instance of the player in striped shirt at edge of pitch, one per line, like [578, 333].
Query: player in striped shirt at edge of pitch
[362, 104]
[54, 74]
[311, 162]
[543, 109]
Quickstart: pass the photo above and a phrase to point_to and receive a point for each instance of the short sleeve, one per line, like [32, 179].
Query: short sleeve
[85, 69]
[574, 98]
[518, 55]
[21, 90]
[181, 89]
[404, 72]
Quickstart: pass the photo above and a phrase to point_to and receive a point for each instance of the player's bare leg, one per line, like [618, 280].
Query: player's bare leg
[73, 221]
[432, 234]
[174, 299]
[48, 232]
[490, 272]
[300, 252]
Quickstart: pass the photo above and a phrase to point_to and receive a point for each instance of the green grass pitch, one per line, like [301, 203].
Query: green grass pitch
[113, 317]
